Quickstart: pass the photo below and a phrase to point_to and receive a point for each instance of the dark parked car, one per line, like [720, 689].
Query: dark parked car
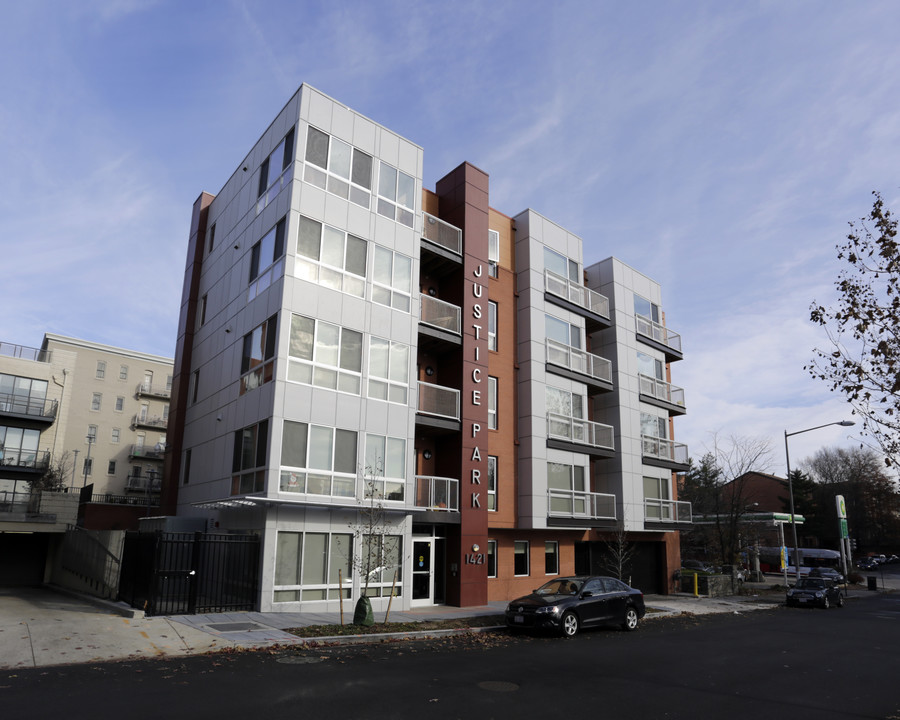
[815, 591]
[697, 566]
[567, 604]
[867, 563]
[829, 573]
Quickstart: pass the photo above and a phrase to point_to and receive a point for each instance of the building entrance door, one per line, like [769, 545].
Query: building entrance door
[422, 575]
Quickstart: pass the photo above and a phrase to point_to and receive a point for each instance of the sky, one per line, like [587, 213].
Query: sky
[718, 147]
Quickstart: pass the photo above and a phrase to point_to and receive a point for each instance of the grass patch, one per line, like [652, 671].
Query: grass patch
[313, 631]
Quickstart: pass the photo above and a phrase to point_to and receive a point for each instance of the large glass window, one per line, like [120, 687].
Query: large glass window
[492, 482]
[648, 365]
[275, 172]
[388, 370]
[520, 557]
[248, 466]
[396, 195]
[337, 167]
[318, 460]
[266, 260]
[656, 491]
[565, 403]
[258, 355]
[325, 355]
[391, 279]
[385, 469]
[569, 480]
[19, 446]
[654, 426]
[644, 307]
[22, 395]
[382, 565]
[331, 257]
[561, 265]
[562, 331]
[311, 566]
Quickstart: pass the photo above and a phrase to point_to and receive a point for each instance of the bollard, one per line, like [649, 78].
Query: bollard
[696, 585]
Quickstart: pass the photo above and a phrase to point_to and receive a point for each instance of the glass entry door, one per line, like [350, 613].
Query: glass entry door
[422, 575]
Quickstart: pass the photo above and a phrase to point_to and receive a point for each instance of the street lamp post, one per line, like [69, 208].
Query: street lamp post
[787, 457]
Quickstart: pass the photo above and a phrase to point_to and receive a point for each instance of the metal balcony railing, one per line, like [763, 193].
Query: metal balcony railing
[661, 390]
[577, 430]
[656, 510]
[27, 406]
[24, 459]
[581, 504]
[663, 449]
[152, 390]
[19, 502]
[438, 400]
[442, 233]
[660, 333]
[24, 352]
[576, 294]
[143, 483]
[147, 452]
[437, 493]
[440, 314]
[578, 361]
[149, 422]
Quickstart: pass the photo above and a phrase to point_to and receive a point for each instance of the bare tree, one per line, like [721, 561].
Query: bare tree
[619, 552]
[54, 477]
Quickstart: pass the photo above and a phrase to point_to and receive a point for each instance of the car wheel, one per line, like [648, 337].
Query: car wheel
[631, 619]
[570, 624]
[840, 600]
[826, 603]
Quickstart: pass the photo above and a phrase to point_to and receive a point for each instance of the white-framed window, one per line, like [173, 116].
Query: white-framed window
[101, 369]
[318, 460]
[91, 434]
[383, 554]
[388, 370]
[551, 557]
[165, 415]
[258, 355]
[521, 561]
[649, 365]
[642, 306]
[565, 403]
[658, 490]
[492, 559]
[275, 172]
[385, 468]
[111, 467]
[168, 383]
[331, 257]
[325, 355]
[562, 331]
[570, 481]
[492, 325]
[114, 435]
[492, 482]
[338, 168]
[96, 401]
[493, 252]
[654, 426]
[559, 264]
[248, 464]
[120, 403]
[310, 566]
[396, 194]
[391, 279]
[123, 372]
[492, 403]
[88, 467]
[266, 260]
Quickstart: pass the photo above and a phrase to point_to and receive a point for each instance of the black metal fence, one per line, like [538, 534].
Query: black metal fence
[166, 573]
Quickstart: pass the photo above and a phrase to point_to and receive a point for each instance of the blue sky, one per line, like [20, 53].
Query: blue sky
[719, 147]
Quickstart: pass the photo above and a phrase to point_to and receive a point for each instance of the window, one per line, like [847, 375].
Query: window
[88, 467]
[562, 332]
[567, 486]
[168, 383]
[388, 370]
[212, 239]
[123, 372]
[114, 435]
[648, 365]
[392, 279]
[96, 401]
[647, 309]
[385, 468]
[201, 311]
[561, 265]
[249, 459]
[310, 566]
[275, 171]
[266, 262]
[91, 434]
[492, 559]
[396, 195]
[22, 395]
[551, 557]
[186, 467]
[382, 562]
[111, 467]
[19, 446]
[101, 369]
[195, 386]
[257, 356]
[331, 257]
[317, 460]
[337, 167]
[492, 325]
[325, 355]
[520, 557]
[564, 403]
[493, 252]
[492, 482]
[492, 403]
[656, 496]
[654, 426]
[120, 403]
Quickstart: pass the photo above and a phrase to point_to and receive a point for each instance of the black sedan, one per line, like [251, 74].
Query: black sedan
[815, 591]
[569, 603]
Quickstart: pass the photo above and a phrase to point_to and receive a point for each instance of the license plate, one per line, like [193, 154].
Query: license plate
[804, 599]
[518, 619]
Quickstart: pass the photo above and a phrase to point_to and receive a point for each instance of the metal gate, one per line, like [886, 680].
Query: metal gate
[167, 573]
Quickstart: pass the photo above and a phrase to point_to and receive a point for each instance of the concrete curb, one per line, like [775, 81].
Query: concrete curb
[112, 606]
[374, 638]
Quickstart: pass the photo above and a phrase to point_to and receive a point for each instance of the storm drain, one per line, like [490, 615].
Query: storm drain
[237, 627]
[298, 660]
[498, 686]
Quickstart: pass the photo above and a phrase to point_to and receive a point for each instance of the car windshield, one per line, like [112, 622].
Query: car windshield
[562, 586]
[811, 584]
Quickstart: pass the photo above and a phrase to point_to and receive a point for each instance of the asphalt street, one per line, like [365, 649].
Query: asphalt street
[779, 663]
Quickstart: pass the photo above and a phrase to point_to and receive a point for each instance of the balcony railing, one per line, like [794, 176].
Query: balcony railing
[656, 510]
[663, 449]
[577, 430]
[24, 459]
[576, 294]
[438, 400]
[24, 352]
[579, 361]
[440, 314]
[143, 483]
[27, 406]
[581, 504]
[147, 452]
[19, 502]
[437, 493]
[442, 233]
[149, 422]
[661, 390]
[660, 333]
[152, 390]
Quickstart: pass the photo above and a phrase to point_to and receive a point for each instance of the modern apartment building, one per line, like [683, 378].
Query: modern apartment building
[349, 340]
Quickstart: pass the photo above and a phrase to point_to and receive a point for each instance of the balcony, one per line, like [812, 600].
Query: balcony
[24, 408]
[666, 512]
[442, 234]
[30, 462]
[659, 336]
[438, 494]
[589, 304]
[582, 366]
[147, 452]
[580, 504]
[578, 435]
[440, 320]
[662, 394]
[143, 483]
[152, 423]
[438, 401]
[23, 352]
[155, 391]
[661, 452]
